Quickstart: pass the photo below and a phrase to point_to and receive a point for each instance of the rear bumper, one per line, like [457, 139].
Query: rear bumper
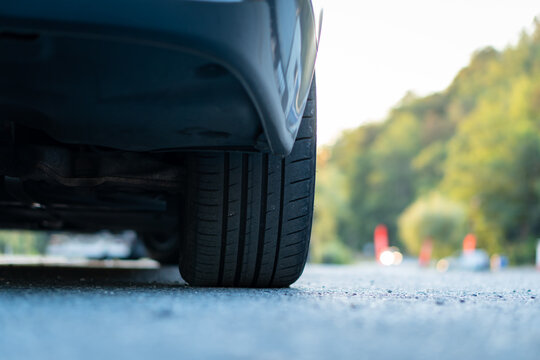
[268, 46]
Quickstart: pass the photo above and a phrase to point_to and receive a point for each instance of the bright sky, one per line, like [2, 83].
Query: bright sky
[373, 51]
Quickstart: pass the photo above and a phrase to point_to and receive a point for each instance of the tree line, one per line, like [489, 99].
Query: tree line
[464, 160]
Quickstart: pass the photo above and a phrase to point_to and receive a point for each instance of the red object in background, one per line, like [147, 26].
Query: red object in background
[425, 252]
[469, 243]
[381, 241]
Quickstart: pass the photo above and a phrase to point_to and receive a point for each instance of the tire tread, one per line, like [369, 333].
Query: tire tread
[261, 236]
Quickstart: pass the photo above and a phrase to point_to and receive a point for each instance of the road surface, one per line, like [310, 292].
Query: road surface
[354, 312]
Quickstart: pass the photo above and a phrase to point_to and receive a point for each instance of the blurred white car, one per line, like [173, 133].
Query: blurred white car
[101, 245]
[476, 260]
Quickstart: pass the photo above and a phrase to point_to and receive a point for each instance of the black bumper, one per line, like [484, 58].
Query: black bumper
[158, 74]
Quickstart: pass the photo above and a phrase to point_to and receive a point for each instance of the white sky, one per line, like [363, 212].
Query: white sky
[373, 51]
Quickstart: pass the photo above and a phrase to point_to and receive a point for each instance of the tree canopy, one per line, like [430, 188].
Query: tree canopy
[475, 145]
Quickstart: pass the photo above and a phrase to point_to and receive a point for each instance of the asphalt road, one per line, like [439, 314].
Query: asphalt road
[360, 312]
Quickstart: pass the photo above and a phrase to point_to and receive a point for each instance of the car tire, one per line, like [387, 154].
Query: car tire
[164, 248]
[249, 215]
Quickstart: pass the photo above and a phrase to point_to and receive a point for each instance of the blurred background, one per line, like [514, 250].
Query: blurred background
[430, 127]
[429, 138]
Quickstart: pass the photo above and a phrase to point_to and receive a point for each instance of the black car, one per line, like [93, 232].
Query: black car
[192, 122]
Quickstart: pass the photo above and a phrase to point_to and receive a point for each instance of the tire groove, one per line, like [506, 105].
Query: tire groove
[225, 218]
[280, 222]
[299, 199]
[243, 220]
[297, 217]
[296, 232]
[262, 218]
[300, 160]
[299, 181]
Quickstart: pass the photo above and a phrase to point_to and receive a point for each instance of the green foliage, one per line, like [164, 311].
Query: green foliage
[493, 165]
[476, 144]
[436, 218]
[428, 165]
[22, 242]
[335, 253]
[390, 182]
[331, 210]
[522, 252]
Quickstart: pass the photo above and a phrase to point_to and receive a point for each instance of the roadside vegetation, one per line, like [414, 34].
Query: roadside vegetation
[23, 242]
[466, 159]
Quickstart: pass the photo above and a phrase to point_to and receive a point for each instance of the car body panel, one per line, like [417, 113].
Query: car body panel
[267, 49]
